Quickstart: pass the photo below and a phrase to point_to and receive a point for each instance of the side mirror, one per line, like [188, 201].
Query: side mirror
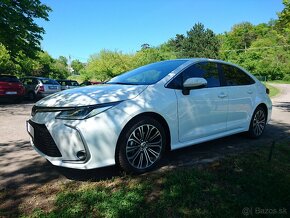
[193, 83]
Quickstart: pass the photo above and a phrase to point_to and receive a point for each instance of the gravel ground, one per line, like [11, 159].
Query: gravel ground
[26, 179]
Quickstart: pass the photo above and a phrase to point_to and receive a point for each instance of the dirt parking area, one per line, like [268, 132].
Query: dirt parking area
[28, 179]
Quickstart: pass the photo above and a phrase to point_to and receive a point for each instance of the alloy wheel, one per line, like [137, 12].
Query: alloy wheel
[259, 122]
[144, 146]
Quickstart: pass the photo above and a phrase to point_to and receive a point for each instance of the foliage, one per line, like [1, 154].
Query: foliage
[59, 69]
[6, 64]
[77, 66]
[150, 55]
[283, 22]
[241, 36]
[266, 52]
[106, 64]
[18, 29]
[199, 42]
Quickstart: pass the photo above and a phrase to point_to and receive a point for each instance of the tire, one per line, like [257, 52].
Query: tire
[141, 145]
[258, 123]
[31, 96]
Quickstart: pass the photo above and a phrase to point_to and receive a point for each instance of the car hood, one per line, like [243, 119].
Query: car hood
[91, 95]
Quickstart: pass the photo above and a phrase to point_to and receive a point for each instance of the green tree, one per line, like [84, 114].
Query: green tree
[283, 23]
[43, 65]
[150, 55]
[27, 66]
[268, 55]
[106, 64]
[63, 60]
[18, 29]
[77, 66]
[198, 42]
[58, 69]
[6, 64]
[271, 57]
[240, 37]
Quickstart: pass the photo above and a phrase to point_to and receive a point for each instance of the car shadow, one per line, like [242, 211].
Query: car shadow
[285, 106]
[93, 175]
[193, 155]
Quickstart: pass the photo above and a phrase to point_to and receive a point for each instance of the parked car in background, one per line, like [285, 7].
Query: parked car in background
[88, 83]
[11, 88]
[39, 87]
[133, 119]
[67, 84]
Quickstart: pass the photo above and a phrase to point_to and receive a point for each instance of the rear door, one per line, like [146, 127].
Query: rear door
[241, 97]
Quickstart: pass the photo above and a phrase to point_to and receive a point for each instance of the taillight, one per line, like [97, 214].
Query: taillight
[22, 89]
[267, 91]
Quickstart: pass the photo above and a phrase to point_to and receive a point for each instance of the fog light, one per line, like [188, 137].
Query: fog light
[81, 155]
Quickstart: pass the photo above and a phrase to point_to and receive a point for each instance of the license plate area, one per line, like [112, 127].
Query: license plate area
[11, 93]
[52, 87]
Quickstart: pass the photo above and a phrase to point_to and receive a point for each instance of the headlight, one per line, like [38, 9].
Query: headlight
[80, 113]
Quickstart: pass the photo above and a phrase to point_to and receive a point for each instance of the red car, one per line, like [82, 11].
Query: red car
[11, 88]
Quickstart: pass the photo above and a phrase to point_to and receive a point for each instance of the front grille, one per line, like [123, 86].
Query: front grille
[43, 141]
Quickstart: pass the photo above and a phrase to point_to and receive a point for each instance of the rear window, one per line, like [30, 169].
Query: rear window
[10, 79]
[74, 83]
[68, 82]
[49, 81]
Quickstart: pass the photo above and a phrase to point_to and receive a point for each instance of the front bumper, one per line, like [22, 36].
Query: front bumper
[95, 137]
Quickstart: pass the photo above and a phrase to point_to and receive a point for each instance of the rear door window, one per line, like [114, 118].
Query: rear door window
[235, 76]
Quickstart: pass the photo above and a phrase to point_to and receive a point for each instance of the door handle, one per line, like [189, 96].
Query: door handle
[222, 95]
[250, 92]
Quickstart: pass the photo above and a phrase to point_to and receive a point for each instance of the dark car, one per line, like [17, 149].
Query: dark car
[88, 83]
[68, 84]
[11, 88]
[39, 87]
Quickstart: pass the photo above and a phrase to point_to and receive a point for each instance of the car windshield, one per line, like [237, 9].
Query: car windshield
[148, 74]
[10, 79]
[49, 81]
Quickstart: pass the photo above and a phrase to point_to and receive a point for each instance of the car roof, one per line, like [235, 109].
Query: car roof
[66, 80]
[36, 77]
[8, 75]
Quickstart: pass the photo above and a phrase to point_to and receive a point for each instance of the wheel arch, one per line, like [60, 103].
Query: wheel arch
[33, 94]
[264, 106]
[154, 115]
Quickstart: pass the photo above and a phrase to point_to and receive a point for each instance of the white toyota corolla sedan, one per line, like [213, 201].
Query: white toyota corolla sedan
[132, 119]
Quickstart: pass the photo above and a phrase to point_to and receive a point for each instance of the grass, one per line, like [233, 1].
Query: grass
[280, 81]
[273, 90]
[223, 189]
